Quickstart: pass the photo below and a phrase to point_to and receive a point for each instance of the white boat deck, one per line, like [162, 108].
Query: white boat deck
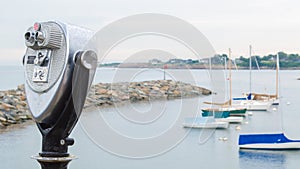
[255, 105]
[230, 119]
[205, 123]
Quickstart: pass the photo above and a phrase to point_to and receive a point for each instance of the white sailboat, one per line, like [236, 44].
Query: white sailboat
[226, 109]
[256, 101]
[273, 97]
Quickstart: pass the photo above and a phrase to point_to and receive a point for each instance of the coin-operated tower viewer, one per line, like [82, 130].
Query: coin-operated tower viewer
[58, 71]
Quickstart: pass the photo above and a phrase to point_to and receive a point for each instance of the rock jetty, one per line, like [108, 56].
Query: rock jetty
[14, 110]
[105, 94]
[13, 107]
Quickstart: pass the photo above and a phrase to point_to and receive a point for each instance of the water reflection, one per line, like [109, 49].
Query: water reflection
[262, 159]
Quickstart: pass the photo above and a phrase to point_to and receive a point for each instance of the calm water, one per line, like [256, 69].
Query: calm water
[96, 146]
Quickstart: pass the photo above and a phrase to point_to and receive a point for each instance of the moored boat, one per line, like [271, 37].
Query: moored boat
[224, 112]
[259, 98]
[256, 105]
[204, 123]
[226, 109]
[231, 119]
[267, 141]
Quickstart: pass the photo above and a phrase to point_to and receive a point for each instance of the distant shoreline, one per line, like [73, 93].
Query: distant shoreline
[203, 67]
[144, 66]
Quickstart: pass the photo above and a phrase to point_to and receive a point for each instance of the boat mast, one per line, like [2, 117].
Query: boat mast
[226, 77]
[250, 68]
[230, 83]
[277, 75]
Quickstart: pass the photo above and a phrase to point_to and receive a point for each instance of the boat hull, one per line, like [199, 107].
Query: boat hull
[216, 114]
[218, 125]
[238, 112]
[254, 105]
[281, 146]
[231, 119]
[223, 112]
[204, 123]
[277, 141]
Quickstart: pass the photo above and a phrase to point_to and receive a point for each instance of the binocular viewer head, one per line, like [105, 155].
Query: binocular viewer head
[49, 63]
[59, 70]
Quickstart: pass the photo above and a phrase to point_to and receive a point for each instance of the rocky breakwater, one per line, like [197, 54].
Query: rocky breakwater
[13, 107]
[14, 110]
[106, 94]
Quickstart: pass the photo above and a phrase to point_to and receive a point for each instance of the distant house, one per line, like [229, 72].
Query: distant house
[182, 61]
[155, 61]
[176, 61]
[205, 61]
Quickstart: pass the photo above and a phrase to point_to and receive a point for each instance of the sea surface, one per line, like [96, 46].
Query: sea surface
[150, 135]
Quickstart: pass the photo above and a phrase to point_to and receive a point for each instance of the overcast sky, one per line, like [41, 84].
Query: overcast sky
[269, 25]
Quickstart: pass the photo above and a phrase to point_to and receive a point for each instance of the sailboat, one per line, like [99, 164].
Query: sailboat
[226, 109]
[272, 97]
[256, 101]
[267, 141]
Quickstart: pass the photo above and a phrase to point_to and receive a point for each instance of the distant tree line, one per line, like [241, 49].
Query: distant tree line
[268, 61]
[288, 61]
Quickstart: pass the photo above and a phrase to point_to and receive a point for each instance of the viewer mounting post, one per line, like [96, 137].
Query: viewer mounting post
[58, 73]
